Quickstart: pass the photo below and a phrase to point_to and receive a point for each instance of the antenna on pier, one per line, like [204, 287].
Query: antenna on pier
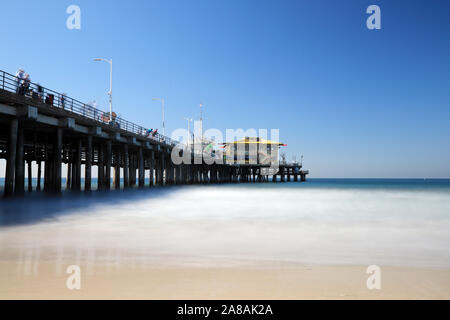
[189, 120]
[201, 121]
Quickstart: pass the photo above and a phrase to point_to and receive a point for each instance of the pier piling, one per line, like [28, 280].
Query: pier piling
[20, 164]
[108, 161]
[11, 158]
[88, 165]
[126, 160]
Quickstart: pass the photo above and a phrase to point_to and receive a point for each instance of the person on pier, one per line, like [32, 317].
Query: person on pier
[63, 100]
[19, 78]
[40, 91]
[25, 87]
[149, 132]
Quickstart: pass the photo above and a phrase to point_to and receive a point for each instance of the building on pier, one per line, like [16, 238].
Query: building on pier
[251, 150]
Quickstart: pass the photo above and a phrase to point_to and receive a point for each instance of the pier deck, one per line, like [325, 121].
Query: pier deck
[56, 130]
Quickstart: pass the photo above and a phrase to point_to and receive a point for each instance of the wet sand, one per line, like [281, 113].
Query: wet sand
[41, 281]
[249, 242]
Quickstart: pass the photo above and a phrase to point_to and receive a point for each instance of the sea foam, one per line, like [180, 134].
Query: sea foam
[240, 225]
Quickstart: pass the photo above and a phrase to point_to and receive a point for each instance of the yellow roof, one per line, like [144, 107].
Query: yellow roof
[254, 141]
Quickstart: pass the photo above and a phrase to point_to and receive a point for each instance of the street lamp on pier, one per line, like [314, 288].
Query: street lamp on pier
[189, 120]
[163, 119]
[110, 84]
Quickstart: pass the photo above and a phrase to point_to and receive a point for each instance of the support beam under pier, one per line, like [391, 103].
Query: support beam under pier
[126, 160]
[88, 165]
[108, 160]
[58, 160]
[11, 158]
[19, 187]
[141, 168]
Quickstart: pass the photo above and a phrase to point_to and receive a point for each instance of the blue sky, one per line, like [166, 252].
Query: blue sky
[355, 102]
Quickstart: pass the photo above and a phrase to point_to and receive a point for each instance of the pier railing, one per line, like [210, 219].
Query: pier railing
[39, 93]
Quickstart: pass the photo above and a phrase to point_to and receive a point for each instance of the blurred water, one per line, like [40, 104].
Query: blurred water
[384, 222]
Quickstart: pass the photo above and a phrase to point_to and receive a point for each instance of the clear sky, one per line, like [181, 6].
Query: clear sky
[355, 102]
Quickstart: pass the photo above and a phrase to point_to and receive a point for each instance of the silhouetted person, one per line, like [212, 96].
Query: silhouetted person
[63, 100]
[40, 92]
[25, 85]
[19, 77]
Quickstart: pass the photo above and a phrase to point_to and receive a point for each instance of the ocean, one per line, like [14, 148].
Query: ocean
[395, 222]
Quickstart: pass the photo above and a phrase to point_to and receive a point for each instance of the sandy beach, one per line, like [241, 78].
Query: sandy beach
[301, 282]
[312, 243]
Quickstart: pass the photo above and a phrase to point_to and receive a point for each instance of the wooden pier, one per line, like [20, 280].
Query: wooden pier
[51, 131]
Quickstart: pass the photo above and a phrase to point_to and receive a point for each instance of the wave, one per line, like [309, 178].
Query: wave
[229, 225]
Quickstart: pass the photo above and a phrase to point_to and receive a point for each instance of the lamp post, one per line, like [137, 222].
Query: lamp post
[189, 120]
[110, 83]
[201, 125]
[163, 120]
